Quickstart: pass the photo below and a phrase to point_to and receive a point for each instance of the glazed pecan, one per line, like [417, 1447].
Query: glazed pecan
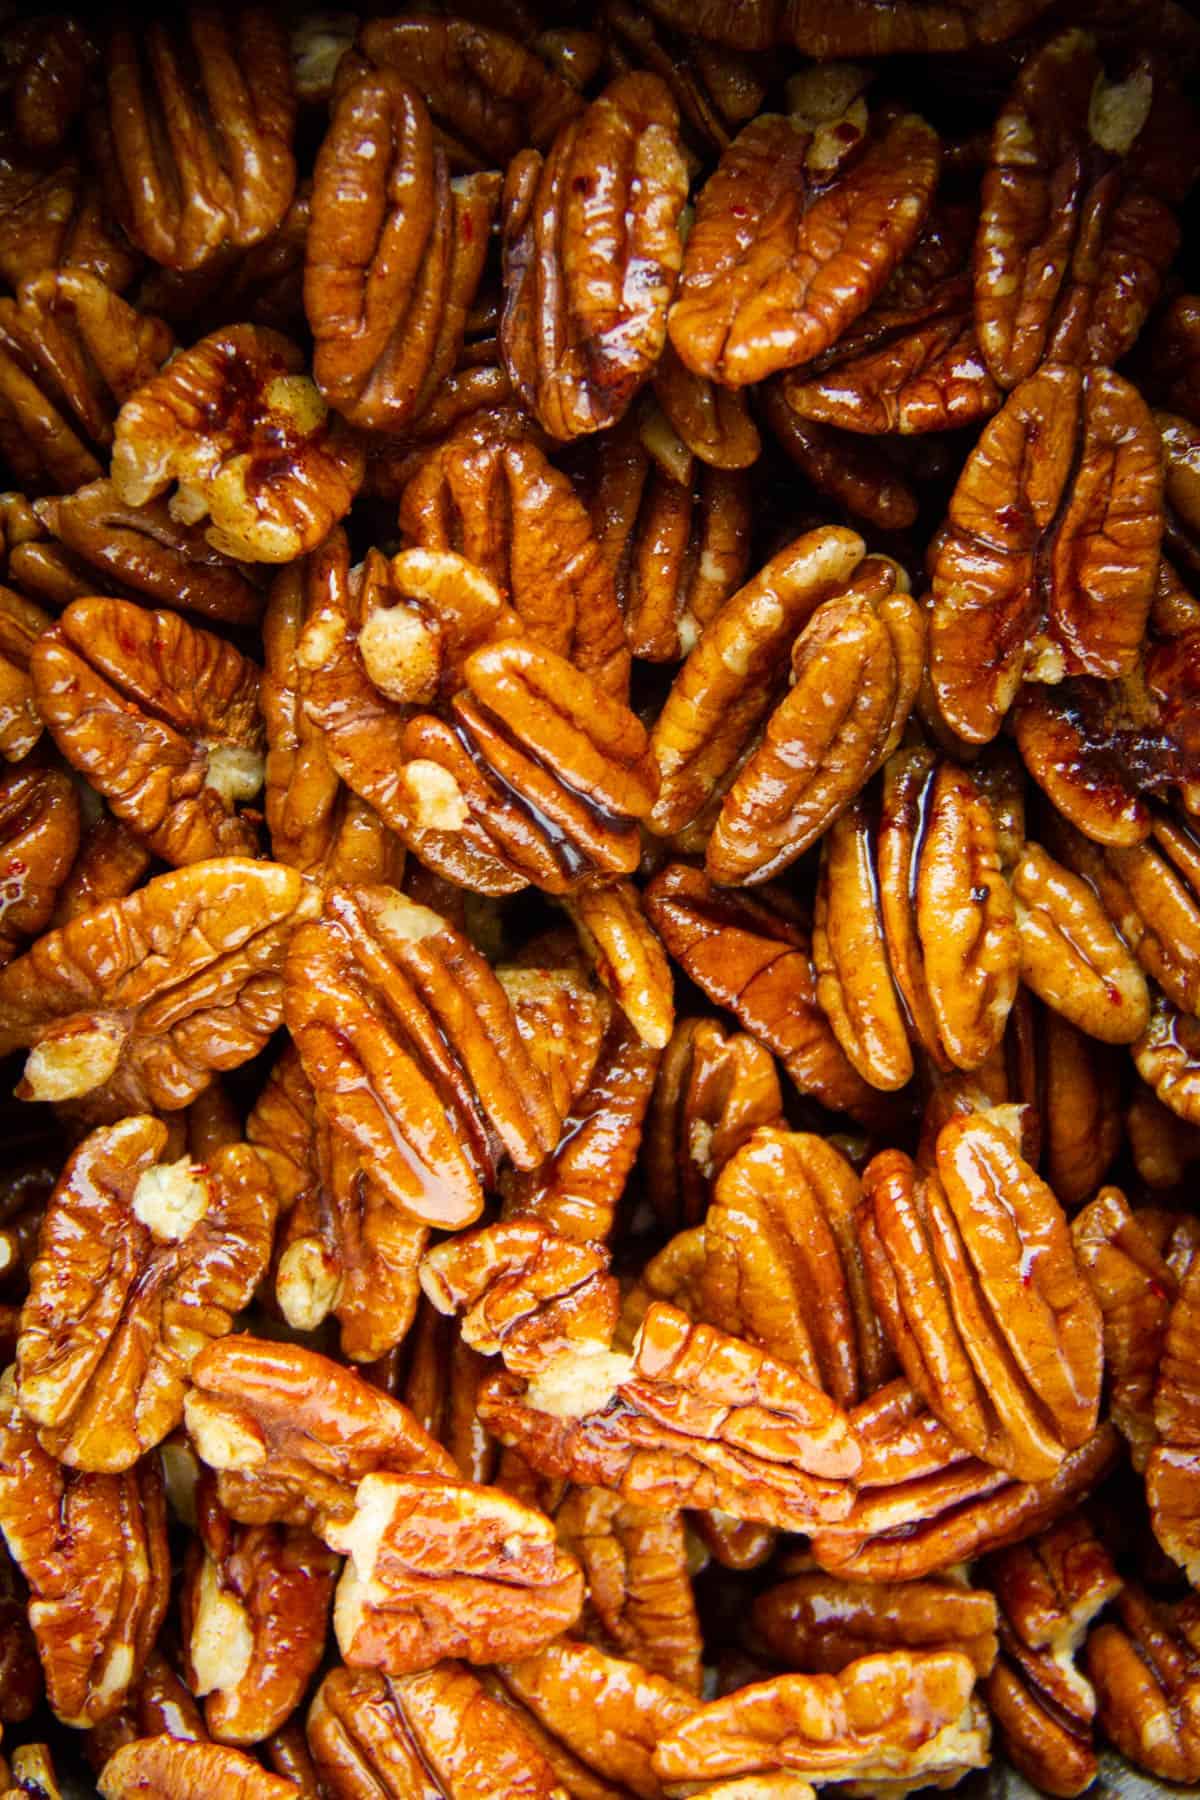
[561, 1014]
[371, 1736]
[635, 1564]
[1071, 956]
[244, 434]
[1173, 1464]
[493, 497]
[592, 248]
[1163, 1146]
[20, 1670]
[52, 217]
[162, 718]
[140, 1263]
[291, 1434]
[817, 1624]
[159, 1703]
[20, 722]
[714, 1089]
[443, 1568]
[627, 956]
[900, 1714]
[1078, 223]
[974, 1274]
[441, 1379]
[194, 135]
[856, 668]
[1167, 1057]
[137, 1002]
[796, 232]
[855, 472]
[749, 956]
[1145, 1665]
[394, 255]
[714, 90]
[110, 864]
[170, 1768]
[39, 835]
[862, 28]
[1048, 562]
[1078, 1103]
[714, 422]
[411, 1046]
[254, 1611]
[93, 1549]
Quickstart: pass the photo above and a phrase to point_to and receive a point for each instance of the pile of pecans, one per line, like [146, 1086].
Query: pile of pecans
[599, 882]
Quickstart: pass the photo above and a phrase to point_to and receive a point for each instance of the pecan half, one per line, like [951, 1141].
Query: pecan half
[110, 864]
[861, 28]
[1145, 1664]
[1172, 1466]
[1071, 956]
[21, 623]
[714, 422]
[39, 835]
[817, 1624]
[172, 1769]
[856, 473]
[627, 956]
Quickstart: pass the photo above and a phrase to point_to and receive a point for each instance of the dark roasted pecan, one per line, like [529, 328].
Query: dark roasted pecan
[39, 835]
[1145, 1664]
[20, 722]
[1174, 1464]
[818, 1624]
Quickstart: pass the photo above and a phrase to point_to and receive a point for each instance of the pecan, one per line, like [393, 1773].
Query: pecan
[247, 439]
[159, 1703]
[861, 28]
[195, 141]
[140, 1263]
[714, 91]
[51, 217]
[727, 686]
[628, 957]
[900, 1714]
[795, 234]
[162, 718]
[394, 256]
[592, 248]
[714, 422]
[750, 957]
[713, 1091]
[1145, 1665]
[635, 1563]
[172, 1769]
[372, 1736]
[262, 285]
[561, 1016]
[855, 472]
[975, 1277]
[93, 1549]
[1172, 1466]
[46, 65]
[817, 1624]
[1162, 1145]
[1078, 226]
[440, 1385]
[855, 986]
[1048, 563]
[1071, 956]
[856, 668]
[411, 1046]
[20, 1670]
[700, 1420]
[443, 1568]
[1078, 1107]
[137, 1002]
[110, 864]
[254, 1610]
[1175, 356]
[20, 722]
[291, 1434]
[1167, 1057]
[495, 499]
[39, 835]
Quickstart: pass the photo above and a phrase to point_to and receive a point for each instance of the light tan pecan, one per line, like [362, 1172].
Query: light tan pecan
[411, 1046]
[974, 1274]
[194, 135]
[592, 249]
[162, 718]
[817, 1624]
[243, 432]
[171, 1768]
[93, 1549]
[1145, 1665]
[39, 835]
[140, 1263]
[1048, 562]
[21, 623]
[1071, 956]
[254, 1611]
[291, 1434]
[796, 232]
[856, 668]
[394, 254]
[136, 1003]
[1173, 1464]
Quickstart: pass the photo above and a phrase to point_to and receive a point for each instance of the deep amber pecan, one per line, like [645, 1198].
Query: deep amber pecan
[749, 956]
[52, 217]
[1163, 1146]
[170, 1768]
[1070, 954]
[93, 1549]
[163, 720]
[136, 1003]
[494, 498]
[441, 1379]
[140, 1262]
[442, 1568]
[370, 1736]
[855, 472]
[254, 1612]
[975, 1277]
[1173, 1465]
[394, 256]
[776, 1262]
[1175, 356]
[1078, 227]
[713, 421]
[1167, 1057]
[1078, 1101]
[1048, 563]
[714, 1089]
[818, 1624]
[39, 835]
[856, 668]
[635, 1563]
[728, 684]
[246, 436]
[45, 68]
[855, 984]
[411, 1046]
[796, 232]
[159, 1703]
[596, 1717]
[195, 133]
[862, 28]
[261, 285]
[715, 91]
[592, 248]
[628, 957]
[110, 864]
[1145, 1664]
[20, 625]
[20, 1670]
[899, 1714]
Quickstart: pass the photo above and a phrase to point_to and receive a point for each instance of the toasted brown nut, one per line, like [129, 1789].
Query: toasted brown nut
[39, 835]
[1071, 956]
[172, 1769]
[1173, 1464]
[21, 623]
[628, 957]
[1145, 1665]
[818, 1624]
